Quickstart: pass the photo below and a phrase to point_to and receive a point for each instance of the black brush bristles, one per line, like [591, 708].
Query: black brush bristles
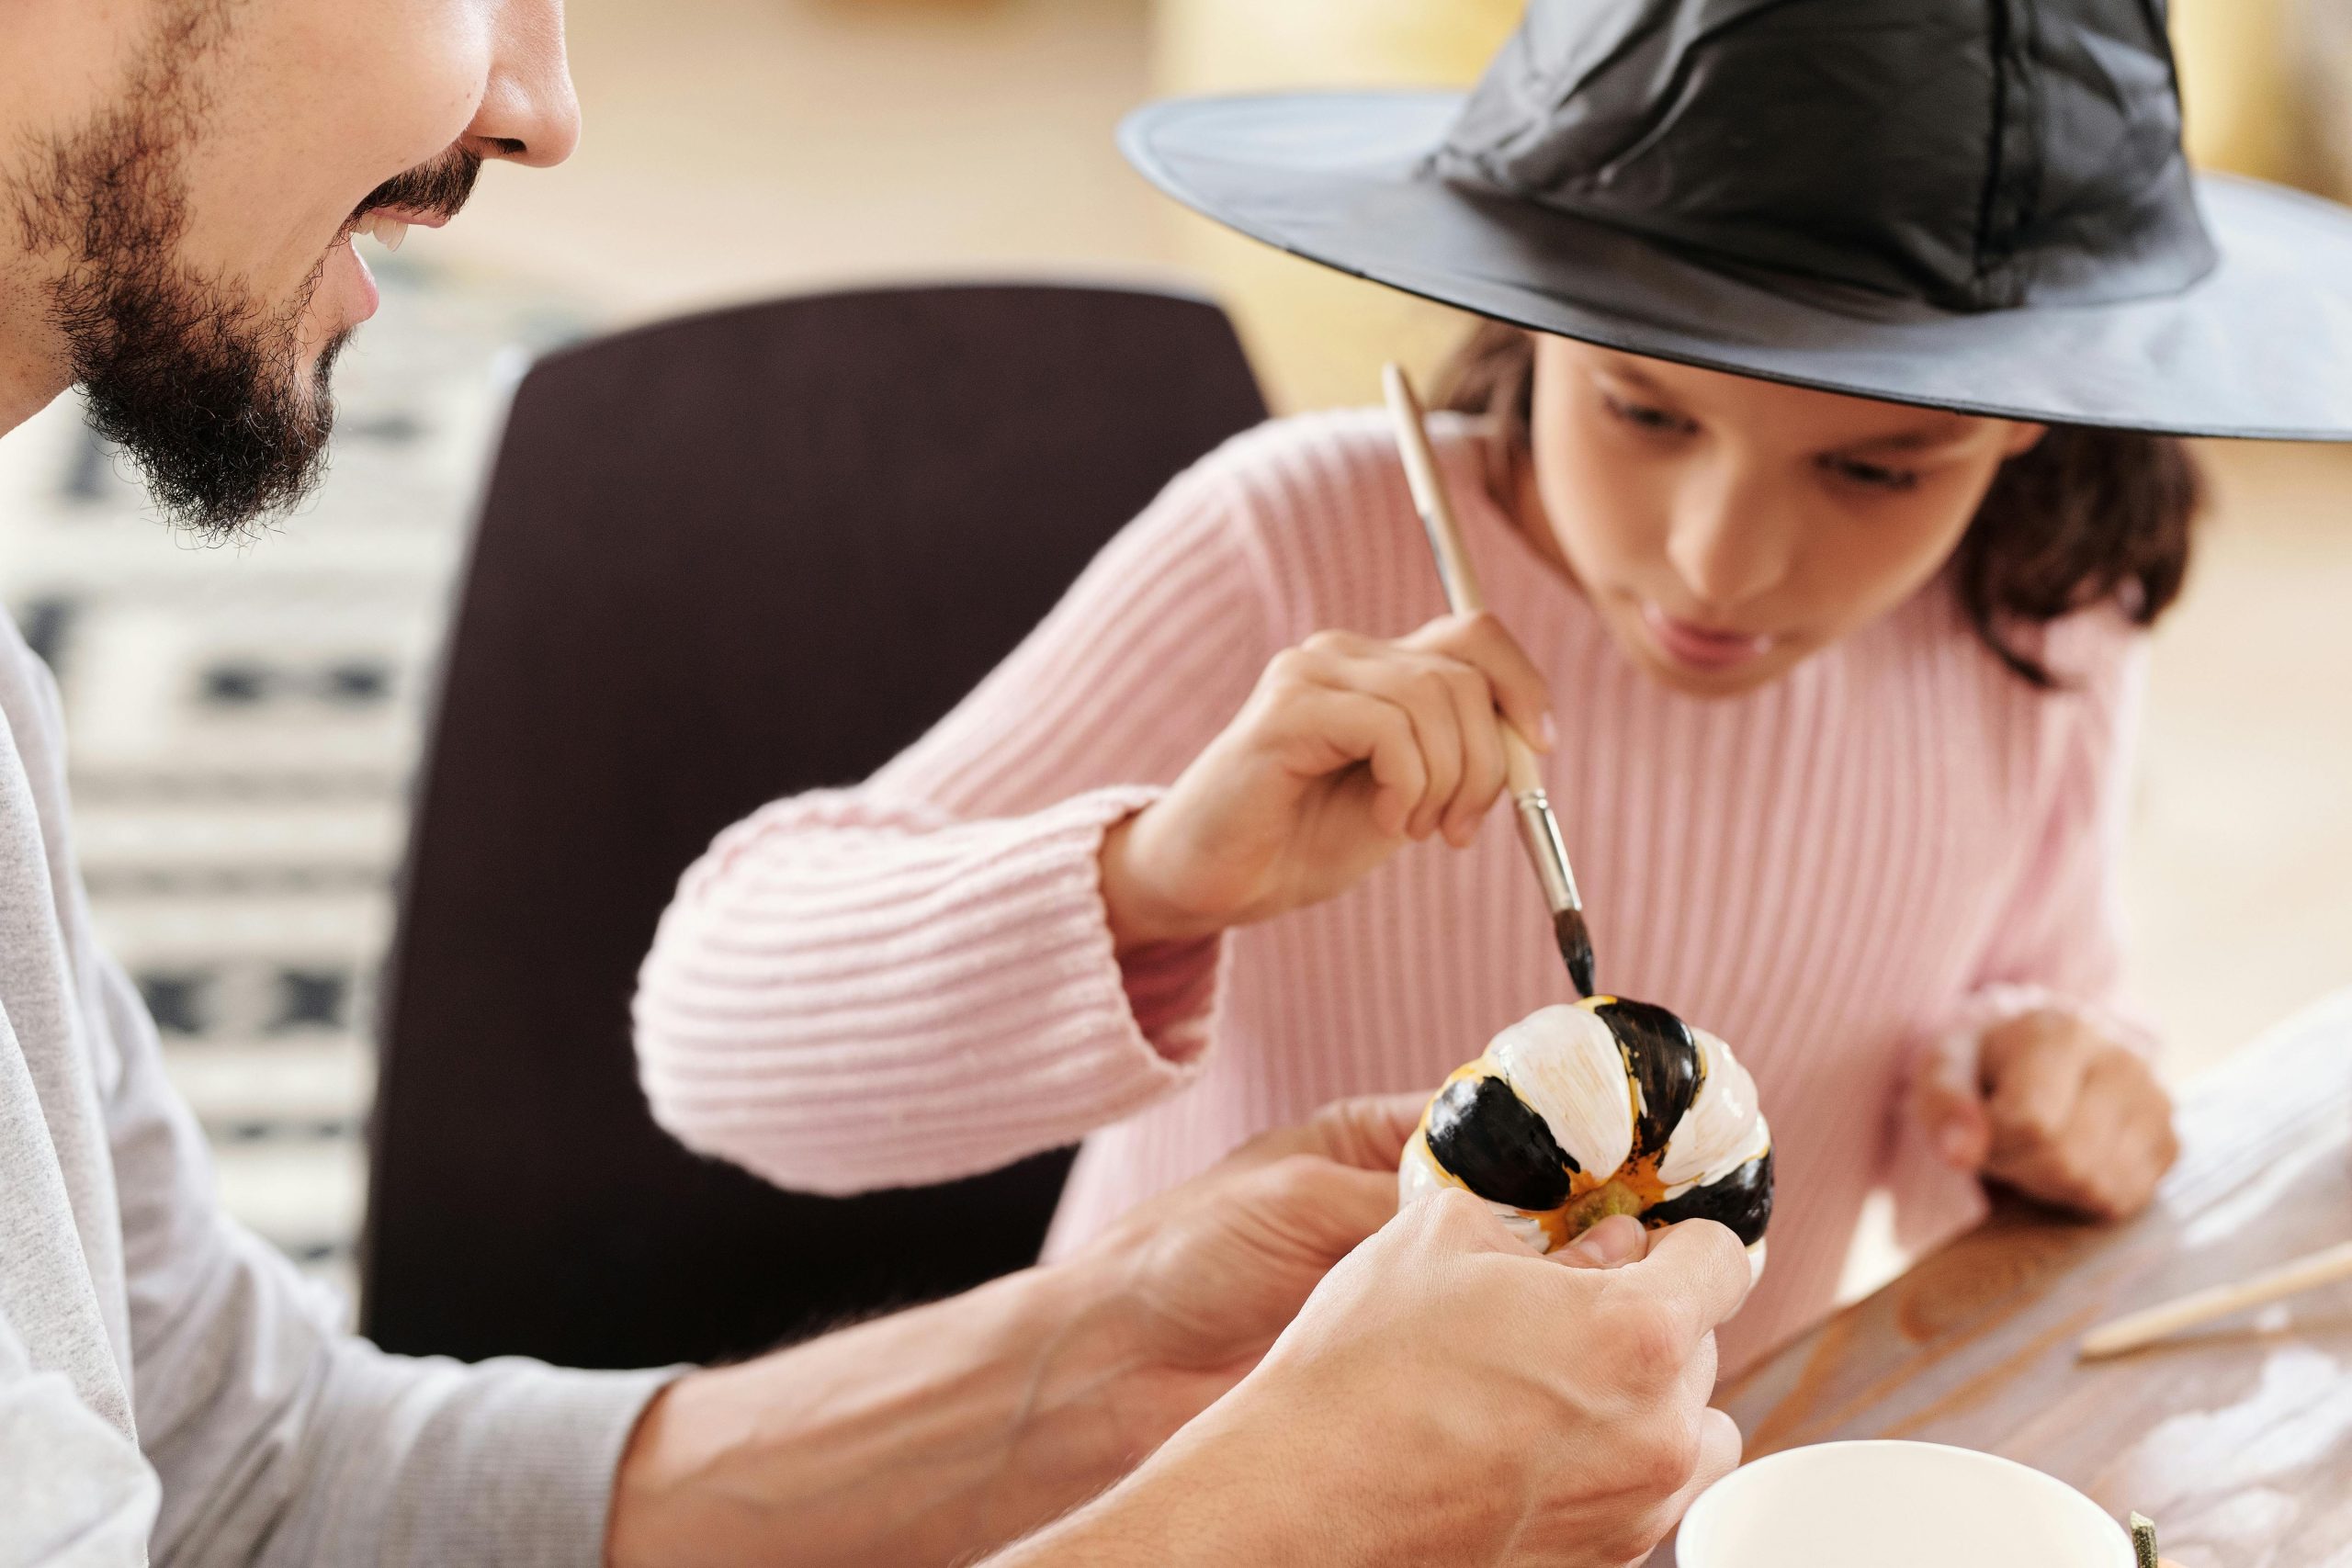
[1575, 947]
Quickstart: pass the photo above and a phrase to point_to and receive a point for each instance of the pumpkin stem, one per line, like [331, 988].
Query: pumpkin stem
[1612, 1197]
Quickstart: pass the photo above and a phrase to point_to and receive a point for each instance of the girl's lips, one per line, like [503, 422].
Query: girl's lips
[1698, 648]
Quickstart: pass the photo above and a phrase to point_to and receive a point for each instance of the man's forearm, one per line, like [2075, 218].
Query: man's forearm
[925, 1437]
[1225, 1492]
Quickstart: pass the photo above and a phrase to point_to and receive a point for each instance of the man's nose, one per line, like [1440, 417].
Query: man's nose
[529, 114]
[1731, 542]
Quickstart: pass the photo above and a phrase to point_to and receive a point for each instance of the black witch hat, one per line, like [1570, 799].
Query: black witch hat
[1978, 205]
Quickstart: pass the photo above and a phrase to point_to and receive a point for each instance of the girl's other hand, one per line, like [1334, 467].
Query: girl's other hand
[1348, 747]
[2061, 1113]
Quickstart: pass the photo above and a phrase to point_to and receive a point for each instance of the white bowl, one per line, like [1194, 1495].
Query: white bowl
[1895, 1504]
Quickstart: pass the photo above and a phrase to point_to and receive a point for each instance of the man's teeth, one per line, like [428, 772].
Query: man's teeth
[389, 231]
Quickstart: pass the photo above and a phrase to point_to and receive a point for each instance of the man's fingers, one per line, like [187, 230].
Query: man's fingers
[1616, 1241]
[1719, 1451]
[1457, 1221]
[1368, 1132]
[1328, 1207]
[1699, 1266]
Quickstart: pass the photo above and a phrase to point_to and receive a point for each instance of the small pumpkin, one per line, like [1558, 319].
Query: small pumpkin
[1606, 1107]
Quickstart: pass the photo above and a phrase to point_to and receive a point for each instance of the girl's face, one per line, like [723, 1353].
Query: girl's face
[1728, 527]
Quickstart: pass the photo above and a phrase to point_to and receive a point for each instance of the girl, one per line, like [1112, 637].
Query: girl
[1834, 652]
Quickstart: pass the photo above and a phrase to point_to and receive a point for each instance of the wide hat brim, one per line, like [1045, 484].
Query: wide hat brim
[2260, 347]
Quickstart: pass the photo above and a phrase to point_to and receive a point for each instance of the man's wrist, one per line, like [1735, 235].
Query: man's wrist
[931, 1435]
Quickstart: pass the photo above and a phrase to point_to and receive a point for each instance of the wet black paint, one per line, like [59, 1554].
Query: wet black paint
[1498, 1146]
[1575, 939]
[1742, 1200]
[1663, 1058]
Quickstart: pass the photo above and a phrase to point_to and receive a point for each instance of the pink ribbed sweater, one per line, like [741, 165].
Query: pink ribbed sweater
[913, 979]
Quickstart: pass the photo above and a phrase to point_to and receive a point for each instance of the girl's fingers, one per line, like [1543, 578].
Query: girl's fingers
[2116, 1143]
[2034, 1068]
[1400, 776]
[1336, 729]
[2130, 1129]
[1483, 774]
[1421, 686]
[1452, 704]
[2095, 1160]
[1518, 688]
[1950, 1111]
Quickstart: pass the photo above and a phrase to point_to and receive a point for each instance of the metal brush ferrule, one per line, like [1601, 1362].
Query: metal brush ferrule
[1540, 831]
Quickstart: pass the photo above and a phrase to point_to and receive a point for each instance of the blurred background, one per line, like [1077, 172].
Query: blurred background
[246, 719]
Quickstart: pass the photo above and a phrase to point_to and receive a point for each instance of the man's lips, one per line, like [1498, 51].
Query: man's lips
[355, 291]
[1704, 648]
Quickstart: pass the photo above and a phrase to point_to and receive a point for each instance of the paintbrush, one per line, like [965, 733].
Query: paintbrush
[1538, 829]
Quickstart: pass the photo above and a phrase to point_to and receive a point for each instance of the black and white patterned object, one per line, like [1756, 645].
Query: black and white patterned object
[242, 720]
[1606, 1107]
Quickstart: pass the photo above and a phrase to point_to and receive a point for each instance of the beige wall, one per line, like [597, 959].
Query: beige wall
[2237, 88]
[1319, 338]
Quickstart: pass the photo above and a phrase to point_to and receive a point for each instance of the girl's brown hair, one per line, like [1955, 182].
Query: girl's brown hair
[2087, 517]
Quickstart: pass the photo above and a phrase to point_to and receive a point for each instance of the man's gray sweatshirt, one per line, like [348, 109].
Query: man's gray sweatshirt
[169, 1384]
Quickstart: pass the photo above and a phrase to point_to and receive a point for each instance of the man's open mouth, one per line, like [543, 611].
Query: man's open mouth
[386, 230]
[390, 226]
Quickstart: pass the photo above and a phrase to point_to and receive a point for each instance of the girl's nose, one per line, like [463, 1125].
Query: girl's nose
[1730, 542]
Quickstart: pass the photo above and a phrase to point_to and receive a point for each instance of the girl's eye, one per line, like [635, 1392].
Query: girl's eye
[1870, 474]
[1643, 417]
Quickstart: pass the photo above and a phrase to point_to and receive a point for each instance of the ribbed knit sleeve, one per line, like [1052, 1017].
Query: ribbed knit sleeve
[914, 979]
[2057, 942]
[2062, 927]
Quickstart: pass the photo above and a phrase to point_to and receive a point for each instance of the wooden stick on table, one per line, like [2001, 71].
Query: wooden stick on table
[2305, 1273]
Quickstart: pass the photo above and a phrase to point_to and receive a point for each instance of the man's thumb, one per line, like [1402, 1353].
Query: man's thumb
[1617, 1240]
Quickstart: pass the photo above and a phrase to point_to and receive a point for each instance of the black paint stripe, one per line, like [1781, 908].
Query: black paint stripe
[1663, 1058]
[1496, 1144]
[1742, 1199]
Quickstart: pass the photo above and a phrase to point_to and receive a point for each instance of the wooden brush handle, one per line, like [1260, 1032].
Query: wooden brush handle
[1454, 565]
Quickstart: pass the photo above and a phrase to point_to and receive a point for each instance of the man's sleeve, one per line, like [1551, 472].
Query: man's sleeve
[280, 1440]
[74, 1492]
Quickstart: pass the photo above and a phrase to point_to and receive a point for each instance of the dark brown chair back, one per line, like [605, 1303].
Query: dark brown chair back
[721, 559]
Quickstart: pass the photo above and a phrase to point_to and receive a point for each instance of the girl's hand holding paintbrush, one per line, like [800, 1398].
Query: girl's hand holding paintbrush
[1349, 747]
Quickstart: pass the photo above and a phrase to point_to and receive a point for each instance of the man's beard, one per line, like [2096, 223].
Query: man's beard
[199, 381]
[203, 391]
